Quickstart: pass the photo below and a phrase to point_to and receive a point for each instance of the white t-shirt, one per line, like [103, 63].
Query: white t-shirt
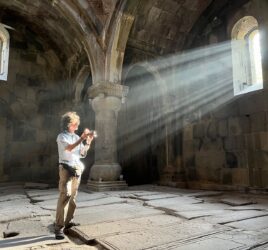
[72, 158]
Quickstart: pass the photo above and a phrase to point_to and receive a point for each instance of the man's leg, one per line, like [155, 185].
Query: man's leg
[72, 202]
[65, 183]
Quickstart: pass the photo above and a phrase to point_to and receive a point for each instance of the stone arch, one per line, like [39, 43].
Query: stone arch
[247, 66]
[243, 26]
[159, 80]
[93, 63]
[141, 133]
[81, 103]
[152, 70]
[79, 83]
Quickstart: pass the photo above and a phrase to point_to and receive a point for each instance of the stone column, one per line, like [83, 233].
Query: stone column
[106, 166]
[106, 102]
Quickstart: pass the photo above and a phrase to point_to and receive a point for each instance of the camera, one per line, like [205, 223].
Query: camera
[93, 133]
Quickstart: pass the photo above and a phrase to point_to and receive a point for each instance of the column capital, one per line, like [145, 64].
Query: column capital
[102, 103]
[108, 89]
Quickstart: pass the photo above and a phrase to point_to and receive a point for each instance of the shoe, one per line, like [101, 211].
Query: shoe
[59, 235]
[71, 224]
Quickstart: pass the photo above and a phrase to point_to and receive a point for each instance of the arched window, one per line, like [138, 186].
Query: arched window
[246, 55]
[4, 52]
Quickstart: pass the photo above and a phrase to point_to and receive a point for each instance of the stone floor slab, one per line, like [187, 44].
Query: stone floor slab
[174, 201]
[105, 229]
[37, 192]
[112, 212]
[157, 197]
[16, 215]
[244, 237]
[169, 219]
[28, 227]
[237, 201]
[11, 197]
[189, 215]
[131, 192]
[44, 197]
[249, 207]
[52, 204]
[14, 210]
[253, 224]
[262, 247]
[82, 196]
[179, 207]
[231, 216]
[211, 244]
[156, 236]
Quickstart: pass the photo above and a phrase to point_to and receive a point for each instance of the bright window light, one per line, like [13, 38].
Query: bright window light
[257, 57]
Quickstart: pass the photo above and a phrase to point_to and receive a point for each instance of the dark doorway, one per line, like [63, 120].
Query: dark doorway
[139, 129]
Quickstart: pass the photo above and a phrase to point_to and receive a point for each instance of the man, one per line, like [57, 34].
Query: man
[70, 148]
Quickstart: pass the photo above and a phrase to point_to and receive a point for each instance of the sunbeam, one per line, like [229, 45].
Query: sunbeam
[203, 82]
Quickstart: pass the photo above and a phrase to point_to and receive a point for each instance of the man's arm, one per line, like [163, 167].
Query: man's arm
[87, 146]
[84, 136]
[70, 147]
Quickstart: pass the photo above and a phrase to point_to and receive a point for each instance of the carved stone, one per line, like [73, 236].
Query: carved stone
[108, 89]
[106, 185]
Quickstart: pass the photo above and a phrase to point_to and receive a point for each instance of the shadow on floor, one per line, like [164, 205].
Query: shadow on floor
[26, 240]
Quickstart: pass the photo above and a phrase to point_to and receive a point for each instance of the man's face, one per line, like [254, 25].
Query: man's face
[73, 127]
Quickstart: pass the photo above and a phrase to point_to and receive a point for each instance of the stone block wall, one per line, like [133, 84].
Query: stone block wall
[230, 146]
[31, 102]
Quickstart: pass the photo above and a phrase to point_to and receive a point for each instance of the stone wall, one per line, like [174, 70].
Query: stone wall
[31, 101]
[228, 144]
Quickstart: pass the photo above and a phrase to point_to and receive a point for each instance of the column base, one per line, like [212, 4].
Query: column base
[105, 172]
[106, 185]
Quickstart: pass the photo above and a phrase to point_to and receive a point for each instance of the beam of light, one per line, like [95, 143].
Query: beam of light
[193, 82]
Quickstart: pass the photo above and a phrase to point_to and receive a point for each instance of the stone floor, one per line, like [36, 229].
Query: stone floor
[142, 217]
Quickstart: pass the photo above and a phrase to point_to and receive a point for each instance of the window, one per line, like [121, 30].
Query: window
[255, 57]
[246, 56]
[4, 52]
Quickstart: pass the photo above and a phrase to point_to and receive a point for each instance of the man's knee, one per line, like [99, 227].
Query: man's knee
[65, 196]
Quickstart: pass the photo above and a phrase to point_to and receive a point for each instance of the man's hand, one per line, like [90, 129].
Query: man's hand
[70, 147]
[90, 137]
[85, 134]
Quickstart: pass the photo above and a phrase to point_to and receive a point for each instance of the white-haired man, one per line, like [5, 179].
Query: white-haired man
[71, 148]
